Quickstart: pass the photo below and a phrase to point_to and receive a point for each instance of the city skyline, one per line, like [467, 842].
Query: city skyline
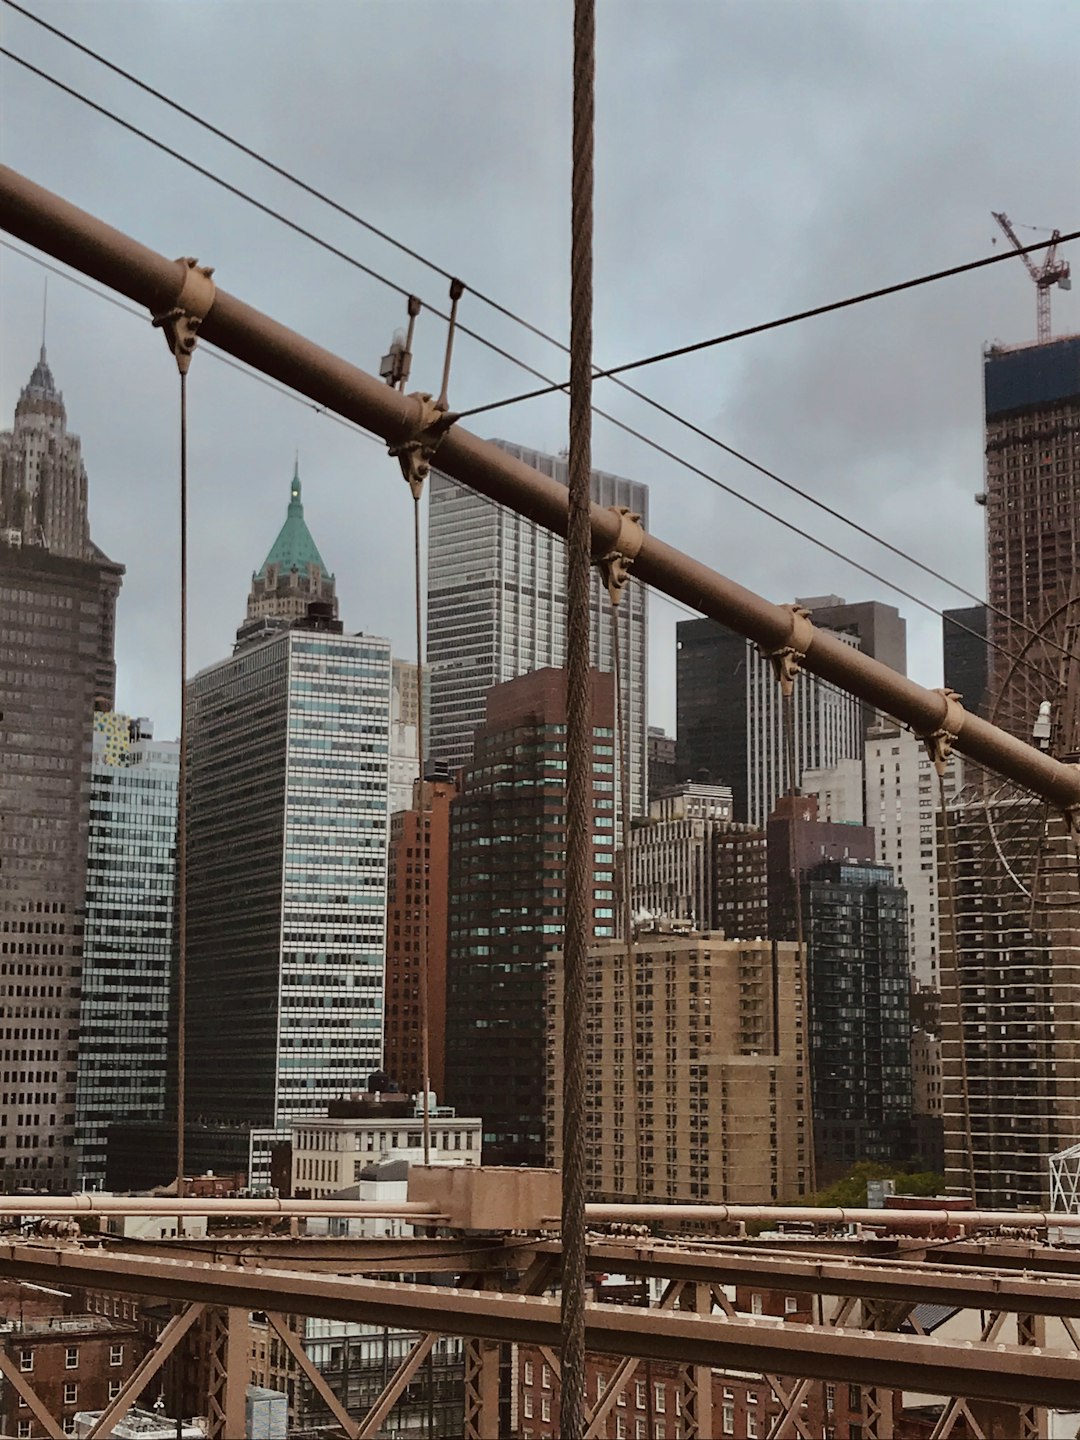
[846, 385]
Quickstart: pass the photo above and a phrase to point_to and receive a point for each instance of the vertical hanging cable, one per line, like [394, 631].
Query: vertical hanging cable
[181, 821]
[578, 734]
[425, 843]
[954, 975]
[794, 860]
[180, 325]
[622, 750]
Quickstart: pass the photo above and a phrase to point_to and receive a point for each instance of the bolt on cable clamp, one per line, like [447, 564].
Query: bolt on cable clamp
[787, 659]
[415, 453]
[939, 742]
[615, 565]
[181, 323]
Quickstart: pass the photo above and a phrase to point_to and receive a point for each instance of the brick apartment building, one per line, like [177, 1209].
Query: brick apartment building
[69, 1362]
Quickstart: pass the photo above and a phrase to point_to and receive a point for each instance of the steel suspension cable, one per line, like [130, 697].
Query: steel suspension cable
[579, 737]
[181, 818]
[425, 839]
[954, 975]
[622, 751]
[788, 720]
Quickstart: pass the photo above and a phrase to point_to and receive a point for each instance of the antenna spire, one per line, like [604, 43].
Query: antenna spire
[44, 315]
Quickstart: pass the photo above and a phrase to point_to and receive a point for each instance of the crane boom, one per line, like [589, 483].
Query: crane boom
[1051, 272]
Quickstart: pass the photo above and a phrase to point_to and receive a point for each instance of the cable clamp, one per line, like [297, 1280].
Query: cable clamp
[787, 659]
[939, 742]
[615, 565]
[416, 452]
[181, 323]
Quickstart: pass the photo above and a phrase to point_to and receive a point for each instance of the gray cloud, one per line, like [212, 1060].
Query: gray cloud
[752, 158]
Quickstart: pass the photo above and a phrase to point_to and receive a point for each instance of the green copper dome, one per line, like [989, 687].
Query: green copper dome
[294, 549]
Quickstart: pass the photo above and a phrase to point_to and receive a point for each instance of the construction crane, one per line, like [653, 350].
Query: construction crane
[1052, 271]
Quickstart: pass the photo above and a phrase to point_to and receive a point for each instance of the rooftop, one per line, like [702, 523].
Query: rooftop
[294, 549]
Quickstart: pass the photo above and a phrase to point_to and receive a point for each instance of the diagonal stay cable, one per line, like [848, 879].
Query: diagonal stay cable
[554, 386]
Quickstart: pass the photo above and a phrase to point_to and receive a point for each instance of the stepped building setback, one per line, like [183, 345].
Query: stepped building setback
[58, 596]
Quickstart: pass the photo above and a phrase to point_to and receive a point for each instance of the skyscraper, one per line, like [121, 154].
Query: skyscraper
[966, 656]
[127, 950]
[418, 875]
[507, 906]
[57, 618]
[880, 629]
[287, 831]
[1009, 999]
[731, 724]
[855, 923]
[1032, 499]
[902, 803]
[673, 855]
[496, 608]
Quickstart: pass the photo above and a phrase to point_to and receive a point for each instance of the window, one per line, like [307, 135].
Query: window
[545, 1376]
[527, 1406]
[116, 1354]
[115, 1386]
[751, 1425]
[791, 1304]
[756, 1305]
[601, 1386]
[25, 1427]
[26, 1361]
[527, 1372]
[658, 1399]
[71, 1357]
[830, 1398]
[639, 1394]
[620, 1426]
[639, 1429]
[71, 1393]
[622, 1396]
[545, 1407]
[727, 1420]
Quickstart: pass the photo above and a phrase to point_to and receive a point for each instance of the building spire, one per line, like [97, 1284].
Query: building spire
[294, 491]
[44, 318]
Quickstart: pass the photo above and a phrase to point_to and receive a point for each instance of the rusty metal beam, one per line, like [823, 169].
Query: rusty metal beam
[78, 239]
[318, 1381]
[912, 1363]
[26, 1391]
[148, 1367]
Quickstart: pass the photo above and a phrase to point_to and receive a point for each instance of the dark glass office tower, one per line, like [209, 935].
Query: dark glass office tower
[127, 957]
[507, 905]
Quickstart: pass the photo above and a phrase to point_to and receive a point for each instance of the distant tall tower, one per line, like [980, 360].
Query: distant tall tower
[497, 609]
[287, 831]
[292, 577]
[57, 615]
[1010, 999]
[127, 956]
[1032, 499]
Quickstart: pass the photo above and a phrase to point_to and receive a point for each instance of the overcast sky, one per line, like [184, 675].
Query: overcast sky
[753, 159]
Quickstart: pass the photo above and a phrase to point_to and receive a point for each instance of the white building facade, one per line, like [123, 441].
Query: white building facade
[902, 802]
[828, 728]
[331, 1153]
[497, 609]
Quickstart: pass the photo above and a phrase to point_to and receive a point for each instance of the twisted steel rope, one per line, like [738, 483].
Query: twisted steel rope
[573, 1410]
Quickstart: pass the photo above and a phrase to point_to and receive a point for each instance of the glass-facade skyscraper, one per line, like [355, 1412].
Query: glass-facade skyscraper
[286, 893]
[127, 946]
[497, 607]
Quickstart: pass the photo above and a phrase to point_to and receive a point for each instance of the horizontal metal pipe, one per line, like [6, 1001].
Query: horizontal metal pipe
[95, 1204]
[78, 239]
[825, 1215]
[993, 1372]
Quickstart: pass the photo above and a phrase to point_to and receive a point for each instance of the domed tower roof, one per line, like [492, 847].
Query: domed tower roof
[294, 549]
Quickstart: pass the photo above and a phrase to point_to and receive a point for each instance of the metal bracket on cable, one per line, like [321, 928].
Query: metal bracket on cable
[939, 742]
[615, 565]
[181, 323]
[415, 453]
[786, 659]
